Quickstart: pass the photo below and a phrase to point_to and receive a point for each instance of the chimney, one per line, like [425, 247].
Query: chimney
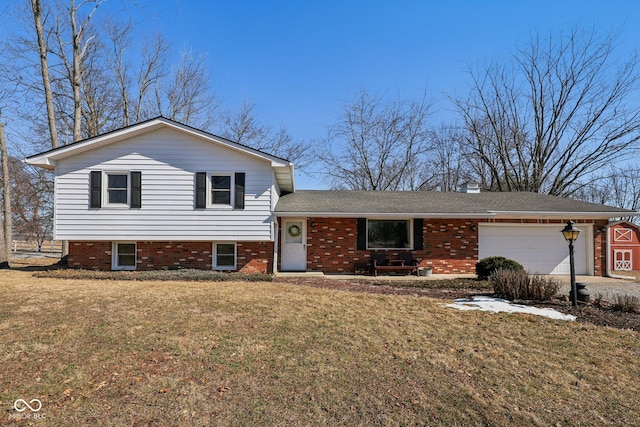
[470, 187]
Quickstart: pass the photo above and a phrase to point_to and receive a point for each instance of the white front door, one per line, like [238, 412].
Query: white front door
[294, 245]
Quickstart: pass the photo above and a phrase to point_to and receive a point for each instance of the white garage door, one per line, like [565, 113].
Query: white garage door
[539, 248]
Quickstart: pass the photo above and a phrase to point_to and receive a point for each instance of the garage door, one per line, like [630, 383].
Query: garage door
[539, 248]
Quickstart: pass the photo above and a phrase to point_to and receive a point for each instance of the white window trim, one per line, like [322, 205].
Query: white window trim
[215, 256]
[114, 257]
[105, 189]
[232, 195]
[410, 248]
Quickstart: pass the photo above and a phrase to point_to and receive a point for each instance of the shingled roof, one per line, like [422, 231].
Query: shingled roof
[439, 204]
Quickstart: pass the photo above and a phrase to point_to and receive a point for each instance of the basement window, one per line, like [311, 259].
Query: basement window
[224, 256]
[123, 256]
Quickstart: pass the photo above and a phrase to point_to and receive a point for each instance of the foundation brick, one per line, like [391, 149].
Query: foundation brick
[251, 257]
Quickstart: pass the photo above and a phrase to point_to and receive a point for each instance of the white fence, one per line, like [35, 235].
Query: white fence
[30, 246]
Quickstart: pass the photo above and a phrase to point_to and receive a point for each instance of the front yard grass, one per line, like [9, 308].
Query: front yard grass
[110, 352]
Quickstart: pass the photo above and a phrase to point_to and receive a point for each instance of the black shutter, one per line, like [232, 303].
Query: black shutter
[362, 234]
[136, 189]
[201, 190]
[417, 234]
[95, 193]
[239, 196]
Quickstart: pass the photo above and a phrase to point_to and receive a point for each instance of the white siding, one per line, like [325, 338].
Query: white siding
[168, 160]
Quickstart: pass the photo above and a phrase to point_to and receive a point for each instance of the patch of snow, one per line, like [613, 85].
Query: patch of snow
[496, 305]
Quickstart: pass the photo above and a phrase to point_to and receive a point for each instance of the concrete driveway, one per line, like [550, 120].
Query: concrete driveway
[607, 287]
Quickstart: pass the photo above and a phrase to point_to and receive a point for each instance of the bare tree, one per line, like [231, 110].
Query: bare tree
[94, 87]
[32, 201]
[134, 86]
[243, 127]
[618, 187]
[188, 92]
[119, 34]
[447, 165]
[79, 44]
[377, 145]
[560, 112]
[36, 9]
[152, 71]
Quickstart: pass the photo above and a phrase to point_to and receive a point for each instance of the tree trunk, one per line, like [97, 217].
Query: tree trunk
[5, 233]
[75, 76]
[36, 8]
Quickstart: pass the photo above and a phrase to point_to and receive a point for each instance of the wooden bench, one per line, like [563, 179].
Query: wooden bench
[405, 262]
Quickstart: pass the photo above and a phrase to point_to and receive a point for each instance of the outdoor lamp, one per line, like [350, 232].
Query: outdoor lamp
[570, 234]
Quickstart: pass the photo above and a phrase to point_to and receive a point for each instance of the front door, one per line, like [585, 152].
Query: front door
[294, 245]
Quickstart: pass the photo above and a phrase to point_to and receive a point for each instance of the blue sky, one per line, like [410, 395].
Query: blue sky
[297, 61]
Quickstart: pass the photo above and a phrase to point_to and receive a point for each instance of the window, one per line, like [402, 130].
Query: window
[221, 189]
[224, 256]
[123, 256]
[388, 234]
[119, 189]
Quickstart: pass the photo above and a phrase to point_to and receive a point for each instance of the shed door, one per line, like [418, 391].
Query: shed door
[540, 249]
[622, 259]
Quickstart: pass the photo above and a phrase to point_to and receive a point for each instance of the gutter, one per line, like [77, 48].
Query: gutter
[381, 215]
[560, 215]
[458, 215]
[608, 259]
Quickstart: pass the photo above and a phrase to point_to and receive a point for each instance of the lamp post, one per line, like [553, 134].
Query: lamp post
[570, 234]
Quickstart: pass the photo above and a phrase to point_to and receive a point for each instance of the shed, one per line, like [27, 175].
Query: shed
[624, 238]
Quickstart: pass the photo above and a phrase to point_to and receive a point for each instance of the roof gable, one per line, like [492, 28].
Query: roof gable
[625, 224]
[283, 169]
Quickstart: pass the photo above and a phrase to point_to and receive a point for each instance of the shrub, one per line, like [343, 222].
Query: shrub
[518, 285]
[626, 303]
[598, 300]
[190, 275]
[486, 266]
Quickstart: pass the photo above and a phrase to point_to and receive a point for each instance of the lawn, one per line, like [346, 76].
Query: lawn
[107, 352]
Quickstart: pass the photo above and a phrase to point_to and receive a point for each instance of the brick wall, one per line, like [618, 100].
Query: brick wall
[255, 257]
[90, 255]
[450, 245]
[600, 247]
[251, 257]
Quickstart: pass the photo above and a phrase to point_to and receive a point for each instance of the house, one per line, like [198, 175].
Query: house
[624, 246]
[160, 194]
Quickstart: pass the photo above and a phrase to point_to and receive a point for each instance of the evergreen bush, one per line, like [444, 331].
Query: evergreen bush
[486, 266]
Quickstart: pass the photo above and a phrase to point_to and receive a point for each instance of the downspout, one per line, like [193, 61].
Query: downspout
[275, 245]
[608, 259]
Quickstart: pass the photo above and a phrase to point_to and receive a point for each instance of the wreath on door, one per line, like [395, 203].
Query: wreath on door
[294, 230]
